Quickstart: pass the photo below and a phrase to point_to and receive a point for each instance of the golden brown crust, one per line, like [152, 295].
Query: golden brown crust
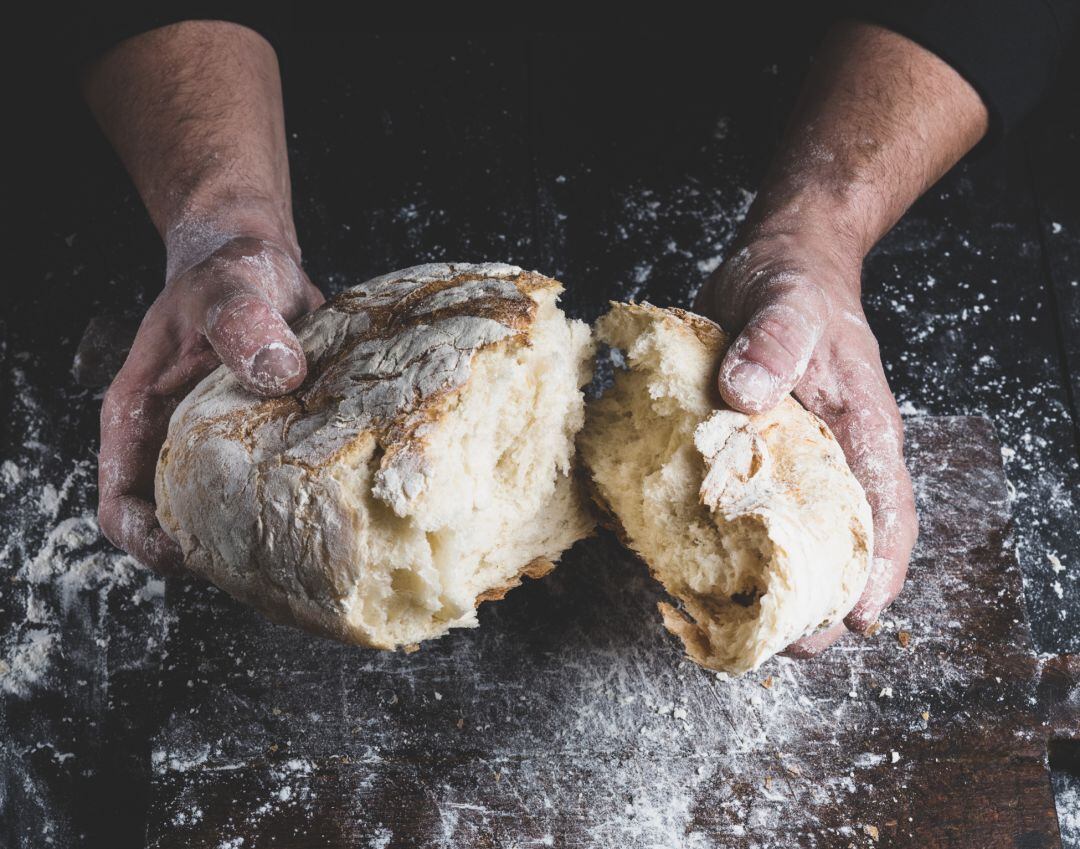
[711, 334]
[533, 569]
[783, 470]
[695, 640]
[365, 400]
[387, 320]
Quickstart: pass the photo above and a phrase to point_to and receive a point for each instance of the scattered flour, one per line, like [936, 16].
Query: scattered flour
[74, 609]
[27, 661]
[10, 474]
[70, 564]
[1067, 792]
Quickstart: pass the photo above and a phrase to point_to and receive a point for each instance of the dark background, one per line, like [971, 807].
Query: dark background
[619, 163]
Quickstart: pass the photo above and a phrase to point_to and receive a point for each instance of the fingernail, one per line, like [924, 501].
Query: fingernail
[274, 366]
[752, 383]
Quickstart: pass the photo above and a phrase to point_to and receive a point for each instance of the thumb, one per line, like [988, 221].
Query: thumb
[768, 358]
[255, 342]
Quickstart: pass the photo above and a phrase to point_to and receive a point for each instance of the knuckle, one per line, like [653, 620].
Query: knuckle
[772, 327]
[108, 522]
[236, 311]
[779, 335]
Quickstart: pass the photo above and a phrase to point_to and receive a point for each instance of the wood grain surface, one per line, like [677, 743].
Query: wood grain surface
[622, 165]
[571, 719]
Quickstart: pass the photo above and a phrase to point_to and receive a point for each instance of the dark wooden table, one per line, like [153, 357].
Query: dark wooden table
[621, 166]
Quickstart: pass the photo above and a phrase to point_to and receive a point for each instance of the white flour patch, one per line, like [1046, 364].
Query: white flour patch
[55, 582]
[1067, 793]
[10, 474]
[27, 661]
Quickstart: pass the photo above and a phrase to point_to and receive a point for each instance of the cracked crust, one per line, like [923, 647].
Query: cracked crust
[533, 569]
[708, 332]
[252, 488]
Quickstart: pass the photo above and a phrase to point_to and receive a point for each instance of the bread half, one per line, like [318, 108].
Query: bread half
[425, 465]
[754, 524]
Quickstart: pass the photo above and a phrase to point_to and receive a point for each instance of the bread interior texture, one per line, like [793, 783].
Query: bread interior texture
[498, 497]
[639, 446]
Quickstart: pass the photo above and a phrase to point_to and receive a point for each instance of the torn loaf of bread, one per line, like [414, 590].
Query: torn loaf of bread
[754, 524]
[424, 466]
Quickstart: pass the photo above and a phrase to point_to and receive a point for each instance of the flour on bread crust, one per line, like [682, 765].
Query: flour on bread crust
[343, 507]
[754, 524]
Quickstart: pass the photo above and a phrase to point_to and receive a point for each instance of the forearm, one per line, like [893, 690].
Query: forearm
[194, 111]
[879, 120]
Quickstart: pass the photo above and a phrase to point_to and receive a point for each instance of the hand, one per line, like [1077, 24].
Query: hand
[194, 110]
[233, 307]
[879, 120]
[793, 300]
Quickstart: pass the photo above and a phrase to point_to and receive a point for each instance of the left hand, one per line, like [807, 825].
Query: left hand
[231, 307]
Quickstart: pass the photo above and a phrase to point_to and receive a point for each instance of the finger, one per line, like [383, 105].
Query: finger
[133, 426]
[816, 643]
[873, 442]
[253, 340]
[313, 297]
[887, 576]
[859, 409]
[895, 531]
[770, 354]
[130, 523]
[246, 293]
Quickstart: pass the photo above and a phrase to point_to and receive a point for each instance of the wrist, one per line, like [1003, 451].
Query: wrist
[803, 238]
[201, 226]
[841, 216]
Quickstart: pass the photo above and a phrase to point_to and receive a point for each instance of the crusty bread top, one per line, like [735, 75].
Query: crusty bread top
[275, 500]
[708, 332]
[382, 357]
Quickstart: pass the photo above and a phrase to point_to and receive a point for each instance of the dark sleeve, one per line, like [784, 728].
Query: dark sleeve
[88, 30]
[1009, 50]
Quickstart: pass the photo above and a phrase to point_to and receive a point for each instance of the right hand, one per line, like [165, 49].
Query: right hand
[792, 302]
[233, 307]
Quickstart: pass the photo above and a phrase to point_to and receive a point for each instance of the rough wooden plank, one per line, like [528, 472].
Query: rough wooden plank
[330, 803]
[370, 200]
[570, 718]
